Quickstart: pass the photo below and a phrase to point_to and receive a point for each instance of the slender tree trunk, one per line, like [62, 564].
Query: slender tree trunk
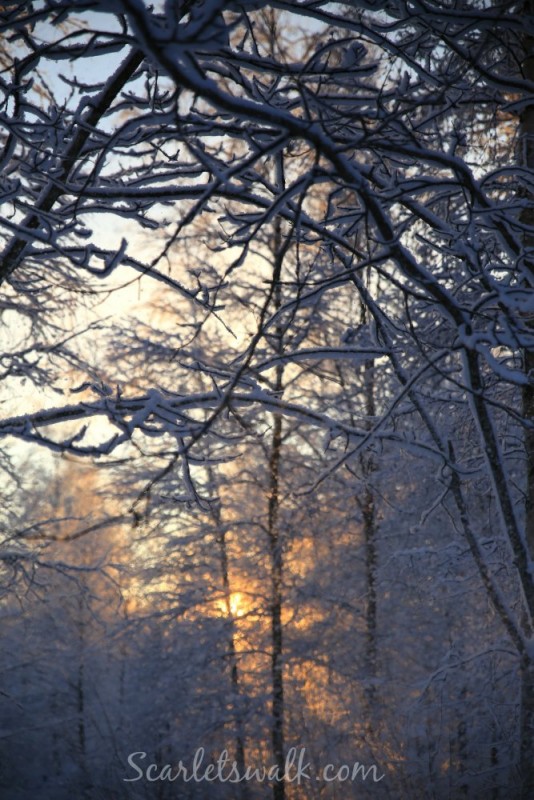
[368, 508]
[232, 656]
[527, 664]
[371, 655]
[527, 158]
[275, 539]
[277, 666]
[242, 791]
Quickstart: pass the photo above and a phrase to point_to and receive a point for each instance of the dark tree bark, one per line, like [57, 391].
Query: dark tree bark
[276, 544]
[277, 643]
[527, 217]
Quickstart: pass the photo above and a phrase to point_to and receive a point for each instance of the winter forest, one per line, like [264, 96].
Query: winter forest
[267, 400]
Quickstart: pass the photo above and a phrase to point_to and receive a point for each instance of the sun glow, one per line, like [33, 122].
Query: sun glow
[236, 605]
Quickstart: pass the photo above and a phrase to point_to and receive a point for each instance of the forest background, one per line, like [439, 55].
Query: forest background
[267, 395]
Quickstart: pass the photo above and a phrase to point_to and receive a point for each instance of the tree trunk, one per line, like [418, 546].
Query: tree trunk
[275, 539]
[232, 655]
[371, 650]
[526, 157]
[368, 509]
[526, 741]
[277, 676]
[220, 536]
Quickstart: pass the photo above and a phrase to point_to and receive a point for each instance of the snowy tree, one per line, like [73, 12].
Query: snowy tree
[403, 127]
